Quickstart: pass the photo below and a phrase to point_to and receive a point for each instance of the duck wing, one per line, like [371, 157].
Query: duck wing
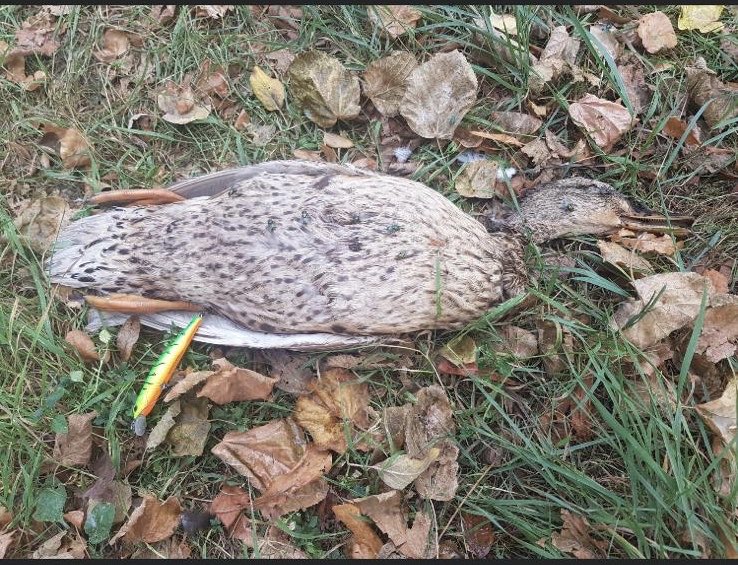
[292, 247]
[214, 184]
[219, 330]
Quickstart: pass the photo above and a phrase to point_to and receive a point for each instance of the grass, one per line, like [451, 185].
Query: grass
[643, 477]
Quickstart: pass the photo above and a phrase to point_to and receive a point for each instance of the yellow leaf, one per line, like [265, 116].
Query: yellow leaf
[269, 91]
[703, 18]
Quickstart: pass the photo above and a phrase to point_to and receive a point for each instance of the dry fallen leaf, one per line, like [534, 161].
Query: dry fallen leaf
[15, 69]
[720, 329]
[83, 344]
[429, 425]
[426, 430]
[36, 37]
[504, 22]
[325, 89]
[181, 106]
[163, 13]
[478, 534]
[337, 400]
[677, 306]
[212, 80]
[575, 538]
[675, 128]
[646, 242]
[159, 433]
[604, 121]
[617, 255]
[439, 94]
[299, 488]
[68, 143]
[187, 383]
[394, 20]
[608, 42]
[269, 91]
[151, 521]
[106, 489]
[117, 493]
[75, 518]
[229, 507]
[461, 350]
[242, 120]
[718, 279]
[386, 511]
[291, 370]
[656, 32]
[498, 137]
[516, 122]
[235, 384]
[115, 44]
[287, 19]
[386, 79]
[6, 539]
[40, 221]
[6, 516]
[337, 141]
[700, 17]
[720, 414]
[365, 543]
[307, 155]
[282, 59]
[478, 179]
[214, 12]
[127, 337]
[189, 434]
[518, 341]
[420, 544]
[704, 88]
[399, 471]
[277, 545]
[53, 548]
[265, 453]
[559, 55]
[171, 548]
[636, 87]
[75, 447]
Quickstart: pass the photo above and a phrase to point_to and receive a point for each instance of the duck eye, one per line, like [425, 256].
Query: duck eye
[566, 205]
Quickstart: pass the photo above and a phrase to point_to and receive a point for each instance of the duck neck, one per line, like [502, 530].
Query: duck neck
[527, 225]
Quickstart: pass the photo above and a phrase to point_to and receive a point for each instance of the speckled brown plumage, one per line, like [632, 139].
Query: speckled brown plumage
[295, 247]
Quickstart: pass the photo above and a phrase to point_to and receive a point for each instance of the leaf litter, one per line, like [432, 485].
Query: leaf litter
[334, 420]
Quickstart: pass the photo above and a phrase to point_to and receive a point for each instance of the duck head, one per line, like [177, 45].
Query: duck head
[578, 206]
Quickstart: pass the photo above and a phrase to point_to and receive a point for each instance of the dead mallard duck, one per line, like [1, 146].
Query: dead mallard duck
[304, 255]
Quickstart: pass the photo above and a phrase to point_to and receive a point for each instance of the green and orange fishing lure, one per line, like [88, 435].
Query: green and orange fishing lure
[160, 374]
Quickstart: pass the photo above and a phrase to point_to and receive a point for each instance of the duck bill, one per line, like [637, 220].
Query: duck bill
[656, 223]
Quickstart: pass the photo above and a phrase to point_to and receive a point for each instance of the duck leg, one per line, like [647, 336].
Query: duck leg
[134, 304]
[138, 197]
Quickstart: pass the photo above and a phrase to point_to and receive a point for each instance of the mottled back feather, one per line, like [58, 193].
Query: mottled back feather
[294, 247]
